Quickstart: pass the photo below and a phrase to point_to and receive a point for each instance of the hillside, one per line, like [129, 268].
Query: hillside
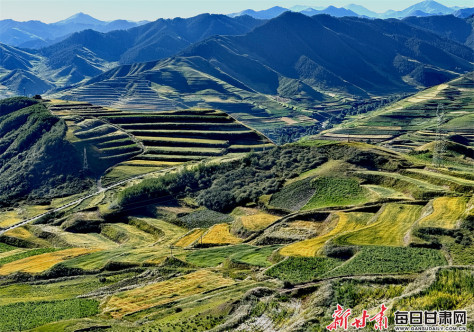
[426, 60]
[274, 239]
[218, 174]
[438, 119]
[36, 161]
[448, 26]
[123, 144]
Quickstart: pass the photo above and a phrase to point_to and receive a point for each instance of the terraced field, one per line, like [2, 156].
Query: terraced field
[122, 93]
[406, 184]
[219, 235]
[40, 263]
[164, 292]
[257, 221]
[137, 142]
[390, 228]
[346, 222]
[189, 238]
[178, 265]
[412, 122]
[447, 212]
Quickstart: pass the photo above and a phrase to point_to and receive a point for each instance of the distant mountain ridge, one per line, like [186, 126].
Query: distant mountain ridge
[346, 56]
[89, 53]
[422, 9]
[447, 26]
[36, 34]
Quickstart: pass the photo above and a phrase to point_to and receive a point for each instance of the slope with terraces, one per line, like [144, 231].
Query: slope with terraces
[121, 94]
[126, 143]
[446, 110]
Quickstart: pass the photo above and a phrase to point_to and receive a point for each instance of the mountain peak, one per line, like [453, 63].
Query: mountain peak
[80, 18]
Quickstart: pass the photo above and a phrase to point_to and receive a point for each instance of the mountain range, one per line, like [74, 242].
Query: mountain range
[36, 34]
[424, 8]
[88, 53]
[334, 56]
[420, 58]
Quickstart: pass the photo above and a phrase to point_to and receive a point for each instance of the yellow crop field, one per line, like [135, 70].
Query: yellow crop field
[9, 218]
[389, 229]
[346, 222]
[189, 238]
[258, 221]
[220, 234]
[24, 234]
[19, 233]
[446, 212]
[40, 263]
[164, 292]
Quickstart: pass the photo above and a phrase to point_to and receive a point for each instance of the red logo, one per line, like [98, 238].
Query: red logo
[341, 319]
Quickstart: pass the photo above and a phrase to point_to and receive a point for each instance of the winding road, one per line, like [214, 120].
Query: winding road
[80, 200]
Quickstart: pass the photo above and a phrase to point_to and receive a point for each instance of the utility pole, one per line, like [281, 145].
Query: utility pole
[86, 165]
[440, 141]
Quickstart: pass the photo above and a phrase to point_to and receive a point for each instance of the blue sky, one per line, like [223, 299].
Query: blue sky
[55, 10]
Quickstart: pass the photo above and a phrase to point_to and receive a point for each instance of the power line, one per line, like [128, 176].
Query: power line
[439, 147]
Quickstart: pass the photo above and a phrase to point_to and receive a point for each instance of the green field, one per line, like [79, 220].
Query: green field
[251, 241]
[333, 191]
[294, 196]
[28, 315]
[389, 260]
[302, 269]
[452, 290]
